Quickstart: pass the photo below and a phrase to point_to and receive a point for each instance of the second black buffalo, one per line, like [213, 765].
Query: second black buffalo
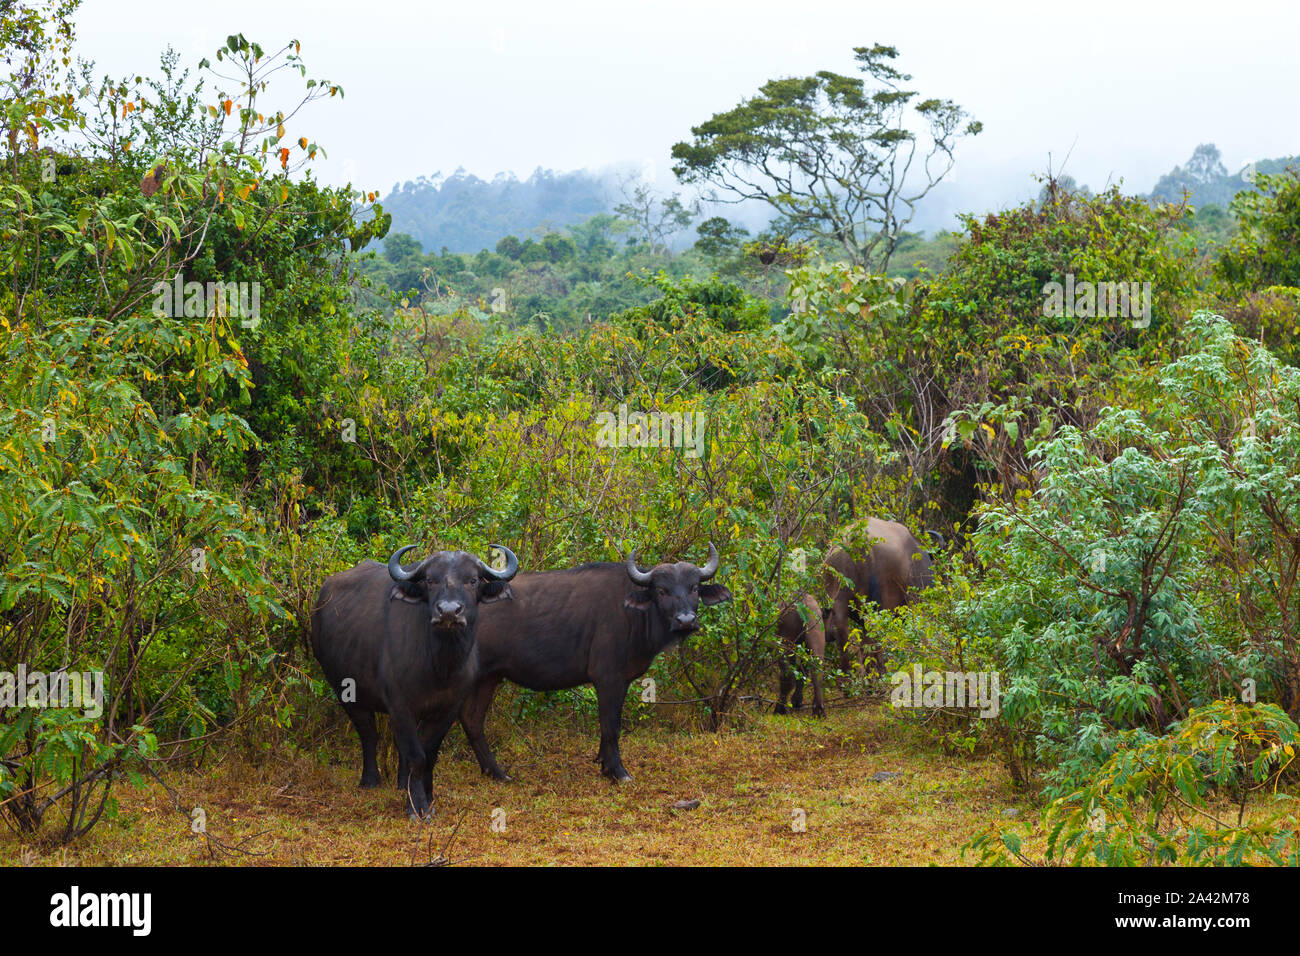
[600, 624]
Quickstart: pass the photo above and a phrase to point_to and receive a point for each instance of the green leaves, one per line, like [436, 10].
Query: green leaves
[1147, 573]
[837, 308]
[1203, 795]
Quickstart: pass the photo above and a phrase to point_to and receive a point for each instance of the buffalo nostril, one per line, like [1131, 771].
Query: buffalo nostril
[448, 612]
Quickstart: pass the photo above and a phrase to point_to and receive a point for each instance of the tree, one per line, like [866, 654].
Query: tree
[656, 218]
[719, 238]
[595, 236]
[1206, 164]
[831, 156]
[1266, 251]
[533, 252]
[1153, 569]
[136, 427]
[1058, 187]
[559, 248]
[1205, 180]
[510, 247]
[398, 246]
[1258, 273]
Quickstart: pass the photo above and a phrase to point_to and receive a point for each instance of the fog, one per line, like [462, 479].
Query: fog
[1124, 90]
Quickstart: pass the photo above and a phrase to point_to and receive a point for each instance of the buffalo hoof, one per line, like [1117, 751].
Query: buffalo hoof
[496, 773]
[422, 815]
[619, 776]
[368, 783]
[819, 711]
[779, 709]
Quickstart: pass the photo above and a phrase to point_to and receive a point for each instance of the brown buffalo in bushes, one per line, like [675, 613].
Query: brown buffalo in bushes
[801, 623]
[884, 575]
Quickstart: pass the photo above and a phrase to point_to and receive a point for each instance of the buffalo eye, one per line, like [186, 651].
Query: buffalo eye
[473, 582]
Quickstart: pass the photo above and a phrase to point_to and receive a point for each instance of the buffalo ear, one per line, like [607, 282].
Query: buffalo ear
[714, 594]
[495, 591]
[402, 593]
[638, 599]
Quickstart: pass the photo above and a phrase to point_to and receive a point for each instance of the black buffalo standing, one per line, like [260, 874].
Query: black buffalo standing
[405, 639]
[600, 624]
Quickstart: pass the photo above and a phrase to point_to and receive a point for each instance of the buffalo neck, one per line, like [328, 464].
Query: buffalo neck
[652, 638]
[447, 649]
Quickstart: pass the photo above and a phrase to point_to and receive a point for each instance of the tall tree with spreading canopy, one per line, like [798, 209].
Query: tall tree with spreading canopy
[837, 160]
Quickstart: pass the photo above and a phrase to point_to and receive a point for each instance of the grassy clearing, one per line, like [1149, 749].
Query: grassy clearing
[558, 810]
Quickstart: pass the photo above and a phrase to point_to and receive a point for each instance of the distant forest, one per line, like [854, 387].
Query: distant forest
[464, 213]
[1207, 182]
[556, 248]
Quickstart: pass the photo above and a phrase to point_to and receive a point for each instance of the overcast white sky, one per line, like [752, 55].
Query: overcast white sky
[496, 85]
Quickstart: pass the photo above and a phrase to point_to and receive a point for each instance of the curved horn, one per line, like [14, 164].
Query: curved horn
[938, 538]
[395, 565]
[636, 574]
[710, 567]
[506, 573]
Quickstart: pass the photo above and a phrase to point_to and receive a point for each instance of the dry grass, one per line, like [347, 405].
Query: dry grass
[305, 810]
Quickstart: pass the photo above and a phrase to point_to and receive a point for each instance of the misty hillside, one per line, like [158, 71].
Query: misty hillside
[465, 213]
[1207, 182]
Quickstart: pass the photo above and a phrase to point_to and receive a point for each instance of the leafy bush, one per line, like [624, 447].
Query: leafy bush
[1151, 571]
[1164, 800]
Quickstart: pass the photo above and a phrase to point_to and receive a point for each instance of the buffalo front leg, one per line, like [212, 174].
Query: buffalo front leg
[410, 769]
[473, 714]
[364, 721]
[432, 744]
[610, 697]
[815, 638]
[839, 628]
[787, 682]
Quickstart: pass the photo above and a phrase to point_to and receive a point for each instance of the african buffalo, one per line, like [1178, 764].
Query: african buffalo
[795, 627]
[598, 624]
[893, 566]
[401, 642]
